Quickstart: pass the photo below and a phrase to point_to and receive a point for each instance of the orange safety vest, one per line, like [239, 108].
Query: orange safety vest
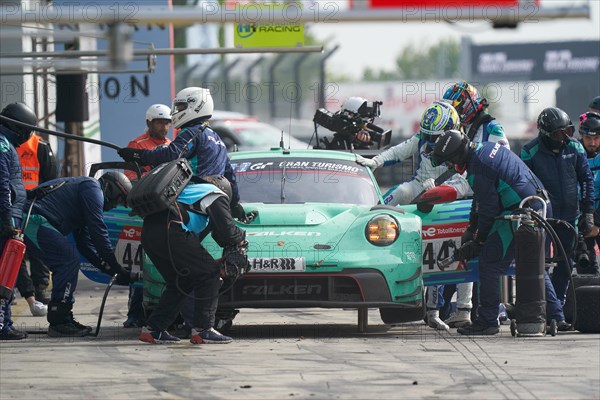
[30, 165]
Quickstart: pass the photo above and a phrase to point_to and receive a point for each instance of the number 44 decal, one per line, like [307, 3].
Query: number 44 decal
[434, 250]
[138, 255]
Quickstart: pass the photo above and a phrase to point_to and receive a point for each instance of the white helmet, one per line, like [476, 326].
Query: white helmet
[158, 111]
[190, 104]
[361, 107]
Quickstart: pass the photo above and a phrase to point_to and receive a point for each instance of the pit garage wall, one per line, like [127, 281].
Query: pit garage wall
[121, 99]
[125, 97]
[16, 85]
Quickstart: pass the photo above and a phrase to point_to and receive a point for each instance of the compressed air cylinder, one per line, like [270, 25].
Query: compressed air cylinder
[10, 262]
[530, 308]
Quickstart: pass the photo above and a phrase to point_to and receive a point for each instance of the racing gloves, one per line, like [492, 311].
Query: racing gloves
[469, 250]
[467, 236]
[372, 163]
[130, 155]
[238, 212]
[7, 230]
[428, 184]
[113, 267]
[236, 259]
[587, 223]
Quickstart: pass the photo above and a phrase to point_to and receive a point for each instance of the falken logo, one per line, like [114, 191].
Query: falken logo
[261, 290]
[283, 233]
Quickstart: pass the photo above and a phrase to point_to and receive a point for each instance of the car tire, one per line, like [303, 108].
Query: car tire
[588, 309]
[578, 281]
[392, 316]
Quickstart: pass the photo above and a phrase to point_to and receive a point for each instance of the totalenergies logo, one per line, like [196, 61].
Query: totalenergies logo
[246, 30]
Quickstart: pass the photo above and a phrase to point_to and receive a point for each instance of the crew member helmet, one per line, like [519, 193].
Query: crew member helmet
[191, 105]
[19, 112]
[452, 149]
[589, 124]
[595, 104]
[555, 127]
[221, 182]
[158, 111]
[115, 186]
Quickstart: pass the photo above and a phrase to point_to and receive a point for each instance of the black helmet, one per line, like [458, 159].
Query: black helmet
[589, 124]
[452, 147]
[595, 103]
[554, 126]
[221, 182]
[116, 187]
[22, 113]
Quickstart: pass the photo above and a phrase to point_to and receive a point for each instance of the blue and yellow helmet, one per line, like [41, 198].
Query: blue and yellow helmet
[438, 118]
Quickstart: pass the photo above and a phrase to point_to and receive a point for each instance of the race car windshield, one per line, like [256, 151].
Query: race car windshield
[307, 180]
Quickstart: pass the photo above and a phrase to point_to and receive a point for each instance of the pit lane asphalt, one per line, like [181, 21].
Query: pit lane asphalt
[297, 353]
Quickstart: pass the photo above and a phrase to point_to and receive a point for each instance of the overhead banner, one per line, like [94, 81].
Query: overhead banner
[536, 61]
[254, 34]
[438, 3]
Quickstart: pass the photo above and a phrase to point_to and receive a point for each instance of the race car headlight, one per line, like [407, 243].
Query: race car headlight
[382, 230]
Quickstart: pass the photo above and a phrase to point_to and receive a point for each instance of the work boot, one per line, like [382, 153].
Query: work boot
[38, 309]
[434, 321]
[41, 294]
[563, 326]
[459, 318]
[11, 333]
[476, 329]
[62, 323]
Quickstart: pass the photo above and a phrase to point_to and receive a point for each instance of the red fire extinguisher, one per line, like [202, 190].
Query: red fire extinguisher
[10, 262]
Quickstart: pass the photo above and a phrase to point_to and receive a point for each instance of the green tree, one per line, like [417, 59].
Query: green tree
[440, 60]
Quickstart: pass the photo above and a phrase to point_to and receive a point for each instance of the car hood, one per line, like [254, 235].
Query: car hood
[302, 214]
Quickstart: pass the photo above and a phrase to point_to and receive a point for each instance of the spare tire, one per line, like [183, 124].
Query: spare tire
[588, 309]
[578, 281]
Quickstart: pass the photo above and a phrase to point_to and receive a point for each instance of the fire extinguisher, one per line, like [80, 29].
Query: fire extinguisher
[10, 262]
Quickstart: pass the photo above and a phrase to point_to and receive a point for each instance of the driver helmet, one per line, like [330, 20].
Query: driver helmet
[440, 116]
[466, 100]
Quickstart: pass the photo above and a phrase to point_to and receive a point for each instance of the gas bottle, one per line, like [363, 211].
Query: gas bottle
[10, 262]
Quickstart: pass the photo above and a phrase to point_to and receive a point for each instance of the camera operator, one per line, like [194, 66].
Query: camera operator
[352, 124]
[589, 130]
[560, 162]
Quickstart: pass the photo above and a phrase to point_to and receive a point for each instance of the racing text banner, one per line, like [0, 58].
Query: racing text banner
[252, 34]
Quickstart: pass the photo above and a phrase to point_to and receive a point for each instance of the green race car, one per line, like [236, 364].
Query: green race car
[319, 236]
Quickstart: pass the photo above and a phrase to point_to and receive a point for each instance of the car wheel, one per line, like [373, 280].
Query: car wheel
[588, 309]
[578, 281]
